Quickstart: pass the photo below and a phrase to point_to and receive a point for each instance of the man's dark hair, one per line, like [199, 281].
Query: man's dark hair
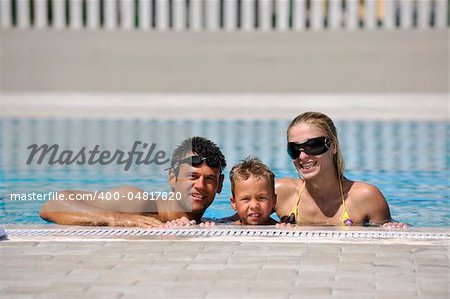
[199, 146]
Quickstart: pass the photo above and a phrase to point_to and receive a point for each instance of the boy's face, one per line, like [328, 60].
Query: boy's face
[253, 200]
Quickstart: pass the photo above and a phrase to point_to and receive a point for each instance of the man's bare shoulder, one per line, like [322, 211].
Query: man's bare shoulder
[120, 190]
[126, 190]
[115, 199]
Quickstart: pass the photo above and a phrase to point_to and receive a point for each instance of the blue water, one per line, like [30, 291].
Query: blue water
[408, 161]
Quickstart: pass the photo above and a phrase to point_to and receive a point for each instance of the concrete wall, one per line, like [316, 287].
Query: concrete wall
[325, 62]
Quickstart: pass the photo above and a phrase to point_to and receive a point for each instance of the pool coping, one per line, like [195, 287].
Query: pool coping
[213, 106]
[320, 234]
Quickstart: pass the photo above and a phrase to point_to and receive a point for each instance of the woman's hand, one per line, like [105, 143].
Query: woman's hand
[395, 225]
[284, 225]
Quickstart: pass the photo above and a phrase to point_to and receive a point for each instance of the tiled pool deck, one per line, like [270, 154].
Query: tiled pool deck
[224, 262]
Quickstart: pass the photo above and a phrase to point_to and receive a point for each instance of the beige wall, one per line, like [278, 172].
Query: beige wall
[326, 62]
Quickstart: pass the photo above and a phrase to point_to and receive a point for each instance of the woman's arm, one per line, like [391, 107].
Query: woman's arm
[375, 206]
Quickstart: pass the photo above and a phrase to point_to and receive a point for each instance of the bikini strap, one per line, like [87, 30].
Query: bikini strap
[346, 220]
[295, 208]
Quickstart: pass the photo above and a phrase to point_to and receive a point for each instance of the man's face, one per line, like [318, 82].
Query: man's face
[197, 185]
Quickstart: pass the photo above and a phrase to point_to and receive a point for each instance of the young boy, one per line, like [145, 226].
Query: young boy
[253, 192]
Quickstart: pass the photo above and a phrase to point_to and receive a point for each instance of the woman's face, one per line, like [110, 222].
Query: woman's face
[310, 166]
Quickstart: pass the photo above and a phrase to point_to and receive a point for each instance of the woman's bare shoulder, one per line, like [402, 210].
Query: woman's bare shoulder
[363, 190]
[286, 187]
[366, 195]
[286, 190]
[287, 182]
[369, 201]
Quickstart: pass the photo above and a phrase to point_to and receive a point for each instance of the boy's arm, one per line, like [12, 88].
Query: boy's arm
[94, 213]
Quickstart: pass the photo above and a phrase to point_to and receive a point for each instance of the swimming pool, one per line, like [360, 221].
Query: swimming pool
[407, 160]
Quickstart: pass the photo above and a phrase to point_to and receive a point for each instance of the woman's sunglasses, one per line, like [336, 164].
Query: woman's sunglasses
[314, 146]
[196, 161]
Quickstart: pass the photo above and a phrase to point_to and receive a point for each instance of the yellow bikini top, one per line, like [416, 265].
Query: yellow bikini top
[293, 215]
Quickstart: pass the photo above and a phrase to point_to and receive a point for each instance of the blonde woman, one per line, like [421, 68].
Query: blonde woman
[323, 195]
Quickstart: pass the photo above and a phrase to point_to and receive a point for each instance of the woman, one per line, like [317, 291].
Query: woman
[323, 196]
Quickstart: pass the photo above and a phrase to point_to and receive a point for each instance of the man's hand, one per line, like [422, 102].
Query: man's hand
[207, 224]
[131, 220]
[180, 222]
[185, 222]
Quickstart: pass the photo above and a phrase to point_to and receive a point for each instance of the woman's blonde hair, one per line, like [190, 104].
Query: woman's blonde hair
[325, 124]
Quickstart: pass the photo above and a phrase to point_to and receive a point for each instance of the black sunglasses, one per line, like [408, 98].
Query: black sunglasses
[196, 161]
[314, 146]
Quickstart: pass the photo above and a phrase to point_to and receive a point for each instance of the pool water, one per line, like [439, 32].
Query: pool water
[407, 160]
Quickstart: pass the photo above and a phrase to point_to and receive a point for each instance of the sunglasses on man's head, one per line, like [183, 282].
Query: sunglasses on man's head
[314, 146]
[196, 161]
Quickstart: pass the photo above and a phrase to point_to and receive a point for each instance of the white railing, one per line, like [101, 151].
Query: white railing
[226, 15]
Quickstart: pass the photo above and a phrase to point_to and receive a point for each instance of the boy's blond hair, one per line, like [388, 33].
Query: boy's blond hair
[251, 166]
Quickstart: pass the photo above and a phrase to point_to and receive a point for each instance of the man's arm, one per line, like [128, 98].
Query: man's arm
[96, 212]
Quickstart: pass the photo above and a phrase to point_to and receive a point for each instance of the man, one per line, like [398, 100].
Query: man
[195, 176]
